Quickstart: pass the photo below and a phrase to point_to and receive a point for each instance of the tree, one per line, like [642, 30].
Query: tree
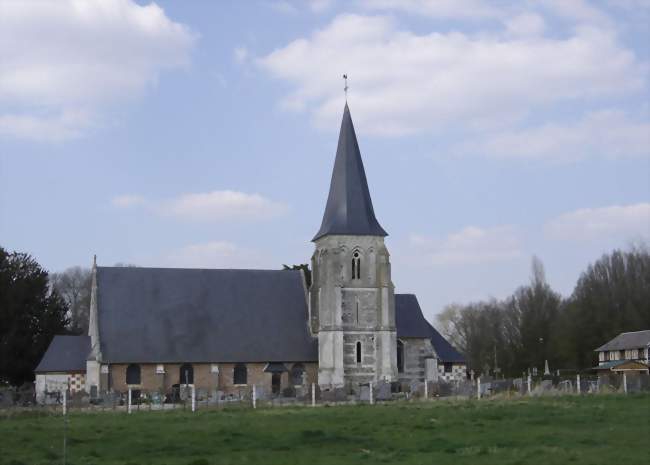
[532, 313]
[73, 285]
[611, 296]
[31, 313]
[304, 267]
[512, 335]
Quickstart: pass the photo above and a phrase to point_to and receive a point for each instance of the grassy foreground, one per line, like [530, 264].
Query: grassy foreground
[563, 430]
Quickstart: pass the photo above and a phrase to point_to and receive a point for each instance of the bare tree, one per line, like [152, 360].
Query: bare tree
[73, 285]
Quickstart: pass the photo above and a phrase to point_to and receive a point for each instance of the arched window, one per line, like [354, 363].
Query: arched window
[400, 356]
[187, 374]
[240, 374]
[358, 351]
[356, 265]
[296, 374]
[133, 374]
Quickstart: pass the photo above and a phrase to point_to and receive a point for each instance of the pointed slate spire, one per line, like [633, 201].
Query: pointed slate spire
[349, 206]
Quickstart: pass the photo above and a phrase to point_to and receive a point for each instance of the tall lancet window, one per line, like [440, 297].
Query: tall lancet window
[356, 266]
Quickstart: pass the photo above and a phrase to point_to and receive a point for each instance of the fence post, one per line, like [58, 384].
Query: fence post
[624, 382]
[129, 402]
[65, 427]
[254, 397]
[370, 393]
[478, 387]
[426, 389]
[313, 394]
[578, 383]
[530, 381]
[193, 398]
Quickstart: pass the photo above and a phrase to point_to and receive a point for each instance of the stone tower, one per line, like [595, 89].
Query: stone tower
[352, 301]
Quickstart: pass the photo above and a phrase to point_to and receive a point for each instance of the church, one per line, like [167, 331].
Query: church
[227, 329]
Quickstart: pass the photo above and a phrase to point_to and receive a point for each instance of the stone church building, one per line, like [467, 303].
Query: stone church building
[154, 328]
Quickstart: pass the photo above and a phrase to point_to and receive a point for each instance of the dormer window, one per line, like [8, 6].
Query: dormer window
[356, 265]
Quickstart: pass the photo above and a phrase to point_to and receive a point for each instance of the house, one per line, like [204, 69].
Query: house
[154, 328]
[626, 352]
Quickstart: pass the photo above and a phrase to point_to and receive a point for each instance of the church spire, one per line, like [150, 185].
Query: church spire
[349, 206]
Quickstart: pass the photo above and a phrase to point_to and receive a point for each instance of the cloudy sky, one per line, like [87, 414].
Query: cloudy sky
[203, 134]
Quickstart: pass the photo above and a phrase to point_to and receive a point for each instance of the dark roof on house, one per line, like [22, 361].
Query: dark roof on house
[410, 322]
[193, 315]
[633, 340]
[349, 206]
[65, 354]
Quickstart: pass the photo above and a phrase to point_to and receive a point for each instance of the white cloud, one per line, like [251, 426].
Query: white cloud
[68, 124]
[624, 222]
[225, 205]
[283, 6]
[318, 6]
[441, 9]
[221, 206]
[606, 133]
[470, 245]
[214, 254]
[404, 82]
[77, 57]
[526, 25]
[128, 201]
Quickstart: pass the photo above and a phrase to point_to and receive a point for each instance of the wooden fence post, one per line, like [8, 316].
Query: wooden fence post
[128, 409]
[478, 387]
[624, 382]
[530, 382]
[254, 397]
[313, 394]
[370, 392]
[578, 383]
[193, 398]
[426, 389]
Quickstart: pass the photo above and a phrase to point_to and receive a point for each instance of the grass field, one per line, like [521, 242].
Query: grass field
[608, 429]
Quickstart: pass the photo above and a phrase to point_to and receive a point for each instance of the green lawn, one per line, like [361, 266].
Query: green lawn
[607, 429]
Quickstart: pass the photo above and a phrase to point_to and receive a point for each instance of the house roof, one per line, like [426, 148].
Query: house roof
[631, 340]
[410, 322]
[65, 354]
[194, 315]
[349, 208]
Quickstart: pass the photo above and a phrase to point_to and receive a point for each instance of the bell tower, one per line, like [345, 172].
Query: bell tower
[352, 301]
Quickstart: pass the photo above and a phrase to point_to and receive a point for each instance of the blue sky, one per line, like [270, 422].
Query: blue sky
[203, 134]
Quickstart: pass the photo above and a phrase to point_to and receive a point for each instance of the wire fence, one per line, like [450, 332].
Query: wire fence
[191, 399]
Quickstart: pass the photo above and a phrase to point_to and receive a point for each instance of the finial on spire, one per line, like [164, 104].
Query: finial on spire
[94, 261]
[345, 89]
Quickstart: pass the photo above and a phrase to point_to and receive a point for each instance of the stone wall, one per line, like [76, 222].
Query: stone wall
[206, 377]
[416, 351]
[458, 372]
[58, 382]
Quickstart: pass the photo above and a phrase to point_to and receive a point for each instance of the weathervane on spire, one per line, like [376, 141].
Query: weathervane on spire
[345, 89]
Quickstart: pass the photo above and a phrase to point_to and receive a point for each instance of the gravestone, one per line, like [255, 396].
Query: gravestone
[383, 391]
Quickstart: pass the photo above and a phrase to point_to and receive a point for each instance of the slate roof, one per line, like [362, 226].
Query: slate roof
[349, 208]
[193, 315]
[65, 354]
[632, 340]
[410, 322]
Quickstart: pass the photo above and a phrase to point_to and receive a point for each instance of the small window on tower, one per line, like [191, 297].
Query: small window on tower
[358, 351]
[356, 266]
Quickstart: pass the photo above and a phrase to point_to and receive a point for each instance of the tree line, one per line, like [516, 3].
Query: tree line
[536, 323]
